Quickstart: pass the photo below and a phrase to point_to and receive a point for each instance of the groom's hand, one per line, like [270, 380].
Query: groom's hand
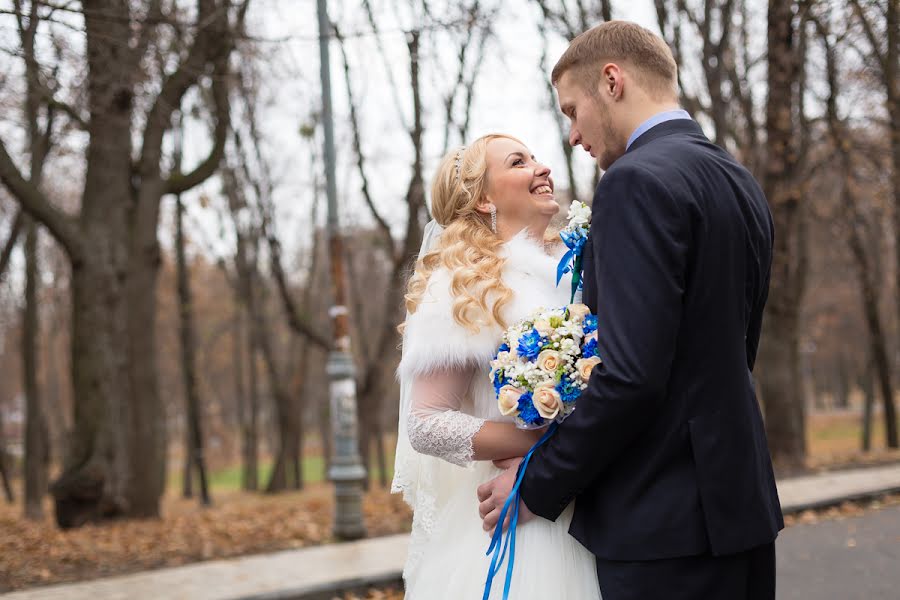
[492, 496]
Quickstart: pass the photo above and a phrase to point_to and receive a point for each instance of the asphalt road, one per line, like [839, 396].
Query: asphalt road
[850, 559]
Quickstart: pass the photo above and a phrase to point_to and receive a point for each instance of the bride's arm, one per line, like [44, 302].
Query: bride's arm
[437, 427]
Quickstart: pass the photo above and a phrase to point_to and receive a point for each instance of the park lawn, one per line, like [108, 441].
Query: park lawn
[831, 438]
[837, 438]
[229, 478]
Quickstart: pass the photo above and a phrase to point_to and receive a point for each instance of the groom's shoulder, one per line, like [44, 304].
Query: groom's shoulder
[629, 171]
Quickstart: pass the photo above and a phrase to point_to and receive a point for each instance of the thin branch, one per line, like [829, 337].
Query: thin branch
[178, 183]
[210, 45]
[383, 226]
[14, 232]
[33, 201]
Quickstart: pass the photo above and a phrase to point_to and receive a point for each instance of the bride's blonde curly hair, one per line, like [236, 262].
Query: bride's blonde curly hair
[467, 247]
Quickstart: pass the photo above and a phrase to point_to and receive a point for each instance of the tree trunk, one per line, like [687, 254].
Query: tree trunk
[5, 475]
[94, 482]
[147, 433]
[779, 358]
[868, 390]
[36, 438]
[194, 418]
[251, 427]
[381, 456]
[249, 476]
[877, 342]
[286, 417]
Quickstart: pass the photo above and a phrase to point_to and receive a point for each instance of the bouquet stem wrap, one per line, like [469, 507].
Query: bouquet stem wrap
[501, 544]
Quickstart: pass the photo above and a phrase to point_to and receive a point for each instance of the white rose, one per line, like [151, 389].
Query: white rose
[577, 312]
[508, 400]
[547, 400]
[543, 327]
[579, 213]
[549, 360]
[586, 365]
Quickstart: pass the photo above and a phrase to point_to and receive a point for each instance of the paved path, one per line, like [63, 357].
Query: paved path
[308, 572]
[856, 558]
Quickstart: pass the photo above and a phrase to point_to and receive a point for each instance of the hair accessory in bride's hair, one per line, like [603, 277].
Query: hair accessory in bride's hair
[459, 154]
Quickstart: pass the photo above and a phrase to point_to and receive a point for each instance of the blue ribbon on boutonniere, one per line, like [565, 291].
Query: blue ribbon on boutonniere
[498, 549]
[571, 260]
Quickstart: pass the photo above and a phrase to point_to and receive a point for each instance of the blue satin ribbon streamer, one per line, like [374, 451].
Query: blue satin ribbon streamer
[565, 265]
[571, 260]
[498, 548]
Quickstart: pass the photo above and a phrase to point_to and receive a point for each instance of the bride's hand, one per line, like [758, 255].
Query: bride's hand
[493, 494]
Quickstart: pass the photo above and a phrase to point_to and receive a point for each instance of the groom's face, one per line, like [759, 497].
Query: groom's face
[590, 121]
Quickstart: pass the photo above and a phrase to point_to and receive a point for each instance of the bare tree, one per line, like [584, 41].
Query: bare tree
[884, 58]
[112, 243]
[36, 438]
[841, 140]
[193, 425]
[779, 359]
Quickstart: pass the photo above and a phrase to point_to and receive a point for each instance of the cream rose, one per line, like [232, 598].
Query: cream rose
[543, 327]
[549, 360]
[508, 400]
[586, 365]
[547, 400]
[577, 312]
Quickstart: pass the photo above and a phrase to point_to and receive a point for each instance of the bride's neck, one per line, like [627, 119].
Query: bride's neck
[533, 232]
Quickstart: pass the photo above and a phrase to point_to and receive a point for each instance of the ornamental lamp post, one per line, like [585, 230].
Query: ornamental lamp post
[346, 470]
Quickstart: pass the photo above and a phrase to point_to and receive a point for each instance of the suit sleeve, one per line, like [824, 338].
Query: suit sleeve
[640, 239]
[754, 327]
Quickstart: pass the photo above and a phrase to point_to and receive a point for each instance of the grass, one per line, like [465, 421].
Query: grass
[830, 438]
[229, 478]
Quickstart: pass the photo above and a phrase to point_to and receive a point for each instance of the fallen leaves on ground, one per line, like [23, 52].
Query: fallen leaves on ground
[388, 593]
[38, 553]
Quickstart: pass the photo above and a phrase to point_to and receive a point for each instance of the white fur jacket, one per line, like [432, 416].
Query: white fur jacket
[447, 367]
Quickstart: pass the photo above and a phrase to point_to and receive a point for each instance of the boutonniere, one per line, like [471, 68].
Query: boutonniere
[574, 235]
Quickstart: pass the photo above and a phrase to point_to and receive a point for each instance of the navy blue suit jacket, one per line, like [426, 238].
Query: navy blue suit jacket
[666, 453]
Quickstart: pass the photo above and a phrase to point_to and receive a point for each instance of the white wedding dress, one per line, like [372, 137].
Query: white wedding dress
[446, 395]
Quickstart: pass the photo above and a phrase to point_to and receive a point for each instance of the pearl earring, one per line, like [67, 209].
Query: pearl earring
[493, 218]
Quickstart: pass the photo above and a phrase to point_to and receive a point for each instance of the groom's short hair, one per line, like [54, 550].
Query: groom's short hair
[649, 57]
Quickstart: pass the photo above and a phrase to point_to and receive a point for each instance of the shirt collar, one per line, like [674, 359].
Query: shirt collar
[668, 115]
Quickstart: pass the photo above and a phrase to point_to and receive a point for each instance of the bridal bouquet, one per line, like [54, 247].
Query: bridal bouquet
[544, 363]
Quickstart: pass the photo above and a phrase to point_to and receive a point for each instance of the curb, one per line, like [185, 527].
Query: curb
[331, 590]
[838, 500]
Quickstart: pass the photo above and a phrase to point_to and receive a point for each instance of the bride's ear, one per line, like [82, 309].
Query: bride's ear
[484, 206]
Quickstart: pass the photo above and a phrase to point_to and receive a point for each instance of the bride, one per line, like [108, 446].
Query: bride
[483, 265]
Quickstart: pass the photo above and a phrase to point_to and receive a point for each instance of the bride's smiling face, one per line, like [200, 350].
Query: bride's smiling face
[520, 187]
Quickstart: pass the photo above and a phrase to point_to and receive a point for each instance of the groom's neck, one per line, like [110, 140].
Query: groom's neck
[636, 115]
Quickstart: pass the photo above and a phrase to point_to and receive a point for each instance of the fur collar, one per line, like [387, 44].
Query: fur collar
[433, 339]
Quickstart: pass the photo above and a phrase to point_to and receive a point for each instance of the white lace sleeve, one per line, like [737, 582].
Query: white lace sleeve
[435, 424]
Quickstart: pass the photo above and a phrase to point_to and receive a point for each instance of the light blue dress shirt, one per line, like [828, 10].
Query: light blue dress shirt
[669, 115]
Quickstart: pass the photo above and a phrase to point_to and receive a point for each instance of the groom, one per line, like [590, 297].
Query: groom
[666, 454]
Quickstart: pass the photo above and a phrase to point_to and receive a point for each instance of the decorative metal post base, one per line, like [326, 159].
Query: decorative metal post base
[346, 471]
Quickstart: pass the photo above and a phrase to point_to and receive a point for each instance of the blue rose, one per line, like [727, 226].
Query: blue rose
[530, 345]
[504, 347]
[568, 390]
[590, 324]
[527, 412]
[589, 350]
